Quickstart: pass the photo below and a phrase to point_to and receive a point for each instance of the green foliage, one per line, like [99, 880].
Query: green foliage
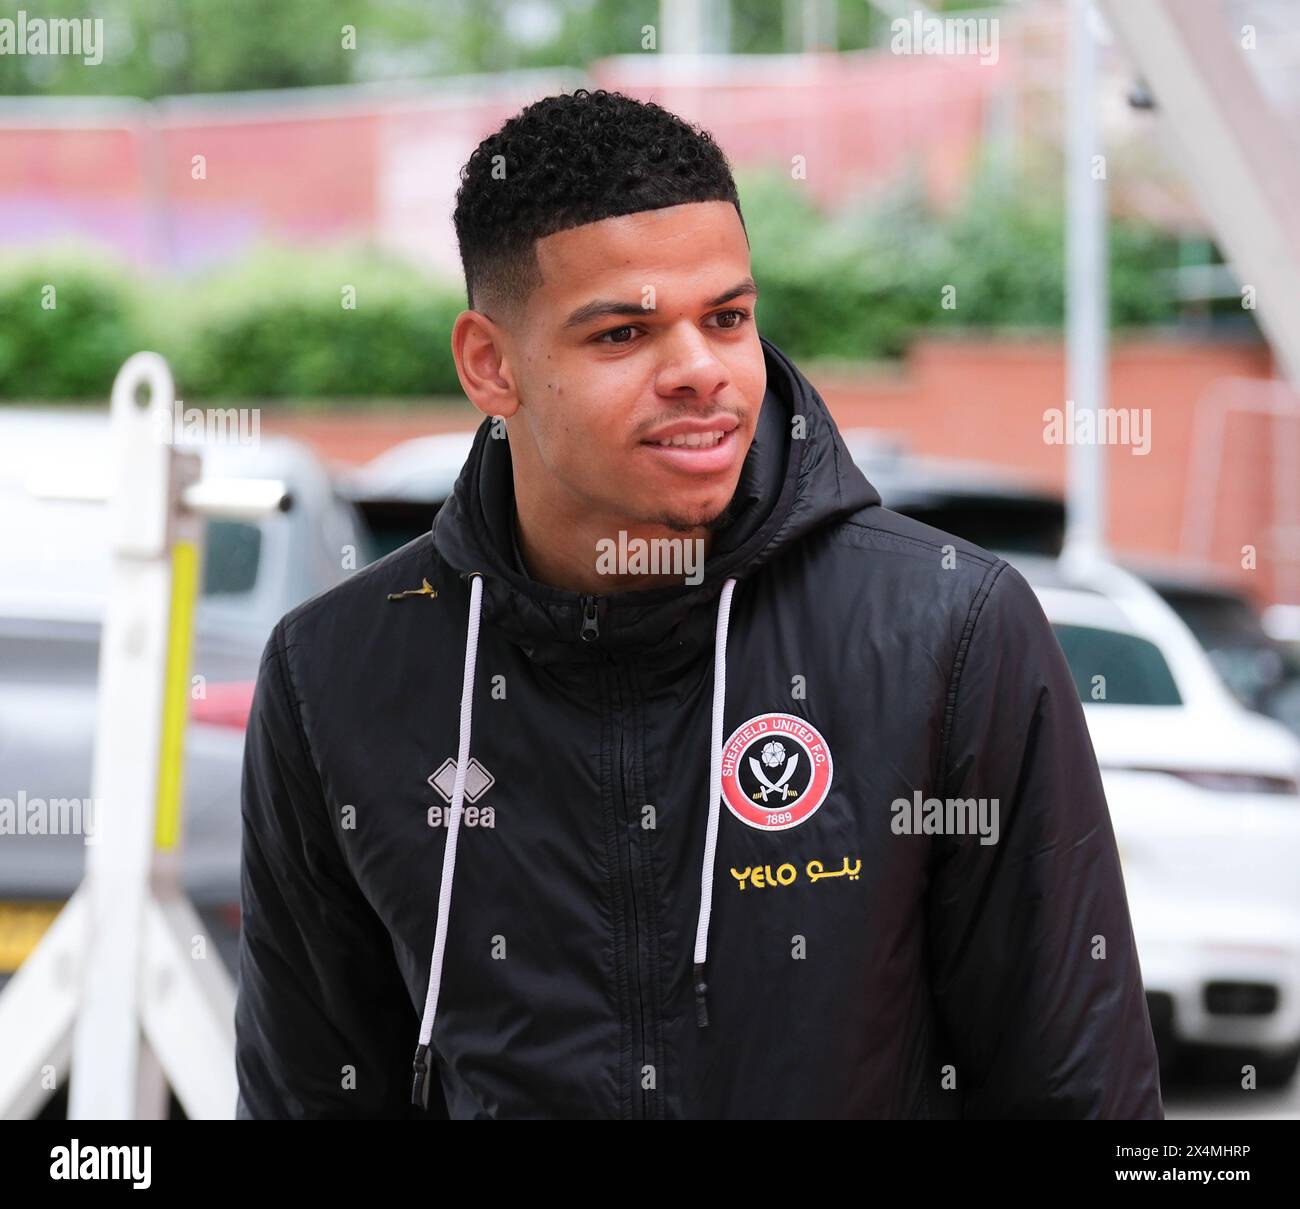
[285, 325]
[1140, 257]
[860, 283]
[152, 48]
[158, 48]
[280, 325]
[67, 322]
[1006, 258]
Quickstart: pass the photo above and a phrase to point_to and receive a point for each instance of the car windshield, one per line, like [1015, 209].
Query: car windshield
[1113, 668]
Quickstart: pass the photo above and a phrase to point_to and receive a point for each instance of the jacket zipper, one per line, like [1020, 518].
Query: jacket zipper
[590, 632]
[640, 1095]
[590, 619]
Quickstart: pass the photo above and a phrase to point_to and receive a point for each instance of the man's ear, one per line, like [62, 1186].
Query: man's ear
[482, 364]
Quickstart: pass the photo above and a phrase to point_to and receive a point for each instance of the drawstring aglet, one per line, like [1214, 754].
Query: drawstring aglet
[420, 1082]
[701, 989]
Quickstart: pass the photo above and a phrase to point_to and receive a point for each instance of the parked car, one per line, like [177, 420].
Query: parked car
[997, 510]
[1205, 800]
[988, 505]
[52, 580]
[1262, 671]
[399, 492]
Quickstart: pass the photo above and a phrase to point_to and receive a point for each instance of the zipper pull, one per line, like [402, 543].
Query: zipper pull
[590, 622]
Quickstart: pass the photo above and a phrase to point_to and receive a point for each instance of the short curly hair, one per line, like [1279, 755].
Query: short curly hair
[565, 161]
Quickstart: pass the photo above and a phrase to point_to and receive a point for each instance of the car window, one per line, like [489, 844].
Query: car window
[230, 558]
[1132, 670]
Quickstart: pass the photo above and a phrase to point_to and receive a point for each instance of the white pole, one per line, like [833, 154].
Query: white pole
[1086, 303]
[110, 1071]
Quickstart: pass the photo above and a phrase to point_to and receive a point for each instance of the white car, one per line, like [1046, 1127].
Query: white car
[1204, 799]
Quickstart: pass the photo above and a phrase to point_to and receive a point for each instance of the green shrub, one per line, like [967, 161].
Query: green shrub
[292, 325]
[854, 285]
[861, 283]
[68, 320]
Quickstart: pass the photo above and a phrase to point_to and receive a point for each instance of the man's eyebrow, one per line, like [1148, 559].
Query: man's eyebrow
[602, 307]
[742, 289]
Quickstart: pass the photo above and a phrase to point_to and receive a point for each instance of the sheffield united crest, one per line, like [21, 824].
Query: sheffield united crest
[776, 772]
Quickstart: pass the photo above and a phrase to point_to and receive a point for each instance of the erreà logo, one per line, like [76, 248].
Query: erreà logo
[776, 772]
[477, 780]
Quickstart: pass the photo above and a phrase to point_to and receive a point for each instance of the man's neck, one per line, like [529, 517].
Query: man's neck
[567, 554]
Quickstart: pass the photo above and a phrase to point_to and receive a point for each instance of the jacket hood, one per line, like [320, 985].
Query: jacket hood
[789, 487]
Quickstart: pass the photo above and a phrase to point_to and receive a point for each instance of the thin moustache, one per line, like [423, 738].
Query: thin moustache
[726, 422]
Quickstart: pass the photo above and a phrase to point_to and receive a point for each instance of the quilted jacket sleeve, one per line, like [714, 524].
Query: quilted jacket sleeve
[324, 1026]
[1034, 968]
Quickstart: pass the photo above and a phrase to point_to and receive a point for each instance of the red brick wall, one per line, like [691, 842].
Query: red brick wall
[985, 401]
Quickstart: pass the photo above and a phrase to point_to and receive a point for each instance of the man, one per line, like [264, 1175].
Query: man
[593, 797]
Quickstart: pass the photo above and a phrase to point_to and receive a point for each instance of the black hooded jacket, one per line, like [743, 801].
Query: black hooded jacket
[696, 872]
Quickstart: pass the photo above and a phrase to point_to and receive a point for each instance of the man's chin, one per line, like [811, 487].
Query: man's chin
[710, 518]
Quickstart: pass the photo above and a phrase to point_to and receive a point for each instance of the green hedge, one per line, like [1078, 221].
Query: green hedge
[856, 285]
[287, 326]
[67, 322]
[864, 282]
[278, 325]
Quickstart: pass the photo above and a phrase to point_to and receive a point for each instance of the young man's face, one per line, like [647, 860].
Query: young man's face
[600, 393]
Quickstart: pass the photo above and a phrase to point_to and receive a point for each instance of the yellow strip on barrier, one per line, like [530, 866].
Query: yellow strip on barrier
[176, 697]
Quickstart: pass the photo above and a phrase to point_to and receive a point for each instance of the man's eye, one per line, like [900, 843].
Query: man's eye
[604, 336]
[742, 317]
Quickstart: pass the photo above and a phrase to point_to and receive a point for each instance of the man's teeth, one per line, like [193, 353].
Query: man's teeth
[702, 440]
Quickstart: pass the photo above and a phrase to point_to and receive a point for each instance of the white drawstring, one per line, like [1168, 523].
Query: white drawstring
[715, 798]
[420, 1086]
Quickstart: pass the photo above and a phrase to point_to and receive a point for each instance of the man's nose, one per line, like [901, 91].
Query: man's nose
[690, 365]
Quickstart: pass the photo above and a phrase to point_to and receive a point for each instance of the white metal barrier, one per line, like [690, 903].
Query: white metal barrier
[125, 990]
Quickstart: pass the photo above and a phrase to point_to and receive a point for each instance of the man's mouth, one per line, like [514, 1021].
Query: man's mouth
[708, 452]
[691, 440]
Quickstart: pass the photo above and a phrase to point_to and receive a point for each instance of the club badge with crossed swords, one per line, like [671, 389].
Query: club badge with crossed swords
[777, 786]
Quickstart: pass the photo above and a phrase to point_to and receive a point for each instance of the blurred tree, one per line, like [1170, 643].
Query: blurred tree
[164, 47]
[167, 47]
[158, 47]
